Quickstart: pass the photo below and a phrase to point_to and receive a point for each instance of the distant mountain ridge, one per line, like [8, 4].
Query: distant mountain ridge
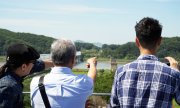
[98, 44]
[39, 42]
[169, 46]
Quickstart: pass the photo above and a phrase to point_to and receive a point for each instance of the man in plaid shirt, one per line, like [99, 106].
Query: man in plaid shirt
[146, 82]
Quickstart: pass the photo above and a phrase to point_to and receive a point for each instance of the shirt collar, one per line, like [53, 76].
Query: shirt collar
[147, 57]
[63, 70]
[15, 76]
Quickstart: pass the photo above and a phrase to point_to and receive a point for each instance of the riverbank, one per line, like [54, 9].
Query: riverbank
[119, 61]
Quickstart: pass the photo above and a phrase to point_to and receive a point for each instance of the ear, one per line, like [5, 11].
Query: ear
[159, 41]
[137, 42]
[23, 67]
[74, 61]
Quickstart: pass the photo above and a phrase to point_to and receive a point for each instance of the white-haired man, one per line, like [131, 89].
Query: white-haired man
[63, 88]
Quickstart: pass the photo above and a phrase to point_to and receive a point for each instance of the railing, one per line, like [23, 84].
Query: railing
[95, 94]
[95, 105]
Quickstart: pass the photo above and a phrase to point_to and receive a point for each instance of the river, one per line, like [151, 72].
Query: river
[82, 65]
[100, 65]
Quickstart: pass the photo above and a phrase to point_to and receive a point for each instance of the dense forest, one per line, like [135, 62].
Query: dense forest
[39, 42]
[169, 46]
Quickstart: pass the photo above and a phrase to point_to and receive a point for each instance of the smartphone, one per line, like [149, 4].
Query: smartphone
[163, 60]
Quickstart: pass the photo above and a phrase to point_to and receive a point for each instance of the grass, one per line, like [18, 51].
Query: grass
[26, 84]
[2, 58]
[175, 105]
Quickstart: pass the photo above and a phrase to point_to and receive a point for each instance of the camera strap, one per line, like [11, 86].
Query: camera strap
[43, 92]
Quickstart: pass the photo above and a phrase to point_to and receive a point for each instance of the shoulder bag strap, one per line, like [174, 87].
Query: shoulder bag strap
[43, 92]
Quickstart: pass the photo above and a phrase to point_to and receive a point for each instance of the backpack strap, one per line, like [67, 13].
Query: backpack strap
[43, 92]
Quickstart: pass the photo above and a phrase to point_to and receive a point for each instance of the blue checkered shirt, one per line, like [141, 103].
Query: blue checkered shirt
[145, 83]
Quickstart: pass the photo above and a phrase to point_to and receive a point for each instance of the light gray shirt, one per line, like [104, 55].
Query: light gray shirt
[64, 89]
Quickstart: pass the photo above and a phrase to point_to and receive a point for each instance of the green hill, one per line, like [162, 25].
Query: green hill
[39, 42]
[169, 46]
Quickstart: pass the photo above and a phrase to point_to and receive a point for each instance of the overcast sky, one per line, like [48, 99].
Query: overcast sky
[104, 21]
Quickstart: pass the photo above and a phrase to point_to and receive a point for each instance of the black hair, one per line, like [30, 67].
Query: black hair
[148, 31]
[18, 54]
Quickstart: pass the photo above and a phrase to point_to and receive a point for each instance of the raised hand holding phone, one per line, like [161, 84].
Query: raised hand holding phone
[173, 62]
[91, 64]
